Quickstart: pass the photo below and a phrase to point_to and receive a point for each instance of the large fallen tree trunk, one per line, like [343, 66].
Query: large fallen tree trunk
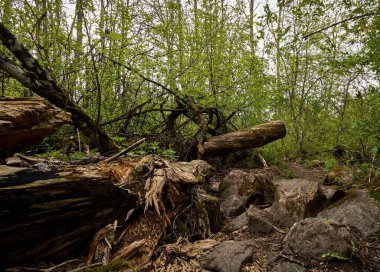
[49, 215]
[249, 138]
[26, 121]
[52, 214]
[34, 77]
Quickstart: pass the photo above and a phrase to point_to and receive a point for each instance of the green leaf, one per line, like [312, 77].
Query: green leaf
[115, 36]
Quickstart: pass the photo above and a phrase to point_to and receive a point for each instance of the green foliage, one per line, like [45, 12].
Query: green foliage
[330, 163]
[154, 148]
[322, 86]
[375, 196]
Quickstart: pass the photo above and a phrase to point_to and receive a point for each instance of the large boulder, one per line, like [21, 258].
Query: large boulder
[357, 210]
[315, 238]
[229, 256]
[295, 200]
[240, 189]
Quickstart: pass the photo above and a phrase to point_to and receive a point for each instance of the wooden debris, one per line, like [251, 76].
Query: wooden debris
[25, 122]
[46, 215]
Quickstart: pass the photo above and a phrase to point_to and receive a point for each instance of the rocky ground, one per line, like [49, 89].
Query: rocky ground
[276, 224]
[246, 220]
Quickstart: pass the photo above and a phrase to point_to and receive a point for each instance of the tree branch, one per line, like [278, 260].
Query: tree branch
[341, 22]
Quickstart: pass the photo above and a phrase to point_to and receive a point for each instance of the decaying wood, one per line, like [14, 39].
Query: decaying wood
[48, 215]
[27, 121]
[165, 186]
[249, 138]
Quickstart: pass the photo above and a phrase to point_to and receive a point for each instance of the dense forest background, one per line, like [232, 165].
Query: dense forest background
[129, 64]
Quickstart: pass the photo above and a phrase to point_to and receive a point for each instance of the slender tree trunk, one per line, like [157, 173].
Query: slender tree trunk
[251, 37]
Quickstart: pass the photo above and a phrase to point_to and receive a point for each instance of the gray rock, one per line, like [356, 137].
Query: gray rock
[295, 200]
[357, 210]
[315, 238]
[258, 222]
[332, 195]
[232, 206]
[237, 223]
[240, 189]
[288, 267]
[229, 256]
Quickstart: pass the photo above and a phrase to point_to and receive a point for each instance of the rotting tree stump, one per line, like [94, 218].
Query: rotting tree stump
[54, 215]
[244, 139]
[27, 121]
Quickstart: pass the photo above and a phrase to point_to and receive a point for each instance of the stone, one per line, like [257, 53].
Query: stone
[229, 256]
[316, 238]
[240, 189]
[357, 210]
[332, 195]
[258, 222]
[295, 200]
[237, 223]
[288, 267]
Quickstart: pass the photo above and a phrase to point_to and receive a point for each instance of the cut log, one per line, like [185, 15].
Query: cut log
[50, 215]
[249, 138]
[27, 121]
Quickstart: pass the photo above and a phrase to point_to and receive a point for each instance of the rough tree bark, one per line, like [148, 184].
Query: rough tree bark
[249, 138]
[26, 121]
[32, 75]
[50, 215]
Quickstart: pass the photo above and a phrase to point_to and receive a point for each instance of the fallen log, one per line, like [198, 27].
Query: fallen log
[27, 121]
[244, 139]
[50, 215]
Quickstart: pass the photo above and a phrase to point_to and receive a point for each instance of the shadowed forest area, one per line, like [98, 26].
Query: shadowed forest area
[200, 135]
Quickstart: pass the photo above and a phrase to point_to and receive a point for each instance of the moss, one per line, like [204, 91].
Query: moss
[375, 196]
[223, 186]
[340, 175]
[246, 188]
[332, 255]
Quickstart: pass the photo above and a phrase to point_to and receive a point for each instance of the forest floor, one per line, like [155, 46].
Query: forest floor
[184, 254]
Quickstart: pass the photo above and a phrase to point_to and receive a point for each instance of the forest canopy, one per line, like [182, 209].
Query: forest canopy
[175, 71]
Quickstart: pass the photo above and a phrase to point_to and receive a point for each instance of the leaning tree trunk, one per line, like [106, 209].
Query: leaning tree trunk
[249, 138]
[34, 77]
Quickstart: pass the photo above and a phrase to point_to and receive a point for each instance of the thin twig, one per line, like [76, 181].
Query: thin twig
[50, 269]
